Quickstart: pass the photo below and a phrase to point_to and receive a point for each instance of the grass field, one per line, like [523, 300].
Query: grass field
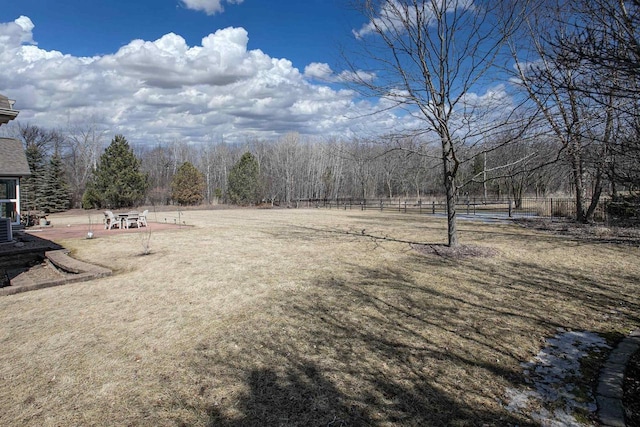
[299, 317]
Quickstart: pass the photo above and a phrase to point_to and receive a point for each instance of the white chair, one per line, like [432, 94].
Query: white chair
[142, 218]
[110, 220]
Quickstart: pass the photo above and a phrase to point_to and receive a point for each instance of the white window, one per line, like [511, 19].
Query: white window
[9, 199]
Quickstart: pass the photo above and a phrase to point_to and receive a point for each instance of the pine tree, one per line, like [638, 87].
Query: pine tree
[55, 190]
[31, 186]
[117, 180]
[244, 180]
[187, 185]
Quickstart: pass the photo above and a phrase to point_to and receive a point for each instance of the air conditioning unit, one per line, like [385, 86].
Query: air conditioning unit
[5, 230]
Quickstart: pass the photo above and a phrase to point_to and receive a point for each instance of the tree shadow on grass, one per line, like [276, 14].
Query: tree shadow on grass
[377, 347]
[304, 396]
[301, 396]
[347, 355]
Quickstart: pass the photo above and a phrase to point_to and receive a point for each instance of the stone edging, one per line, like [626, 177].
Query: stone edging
[81, 271]
[609, 392]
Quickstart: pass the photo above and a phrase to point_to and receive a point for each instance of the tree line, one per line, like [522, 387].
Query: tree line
[82, 168]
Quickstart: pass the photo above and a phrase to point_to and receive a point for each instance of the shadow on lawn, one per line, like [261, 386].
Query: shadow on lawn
[303, 396]
[377, 351]
[379, 348]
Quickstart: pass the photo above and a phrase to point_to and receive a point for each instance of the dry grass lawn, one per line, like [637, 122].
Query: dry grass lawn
[295, 317]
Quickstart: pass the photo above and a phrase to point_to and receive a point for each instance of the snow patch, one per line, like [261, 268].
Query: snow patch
[550, 400]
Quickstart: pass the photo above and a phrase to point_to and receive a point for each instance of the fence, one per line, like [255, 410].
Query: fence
[526, 207]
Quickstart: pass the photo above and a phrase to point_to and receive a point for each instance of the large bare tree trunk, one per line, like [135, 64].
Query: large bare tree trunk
[450, 171]
[451, 190]
[578, 182]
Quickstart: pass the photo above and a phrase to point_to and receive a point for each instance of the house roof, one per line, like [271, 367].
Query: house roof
[6, 110]
[13, 161]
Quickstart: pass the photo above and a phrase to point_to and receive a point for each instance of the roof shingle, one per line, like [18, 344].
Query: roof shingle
[13, 161]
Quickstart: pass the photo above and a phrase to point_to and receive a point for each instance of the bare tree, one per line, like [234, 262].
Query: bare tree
[82, 150]
[159, 164]
[428, 56]
[605, 36]
[568, 90]
[288, 160]
[361, 156]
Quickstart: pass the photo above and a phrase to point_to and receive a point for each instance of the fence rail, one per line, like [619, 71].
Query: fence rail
[526, 207]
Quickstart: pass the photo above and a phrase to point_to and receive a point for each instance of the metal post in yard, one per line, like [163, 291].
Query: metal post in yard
[433, 207]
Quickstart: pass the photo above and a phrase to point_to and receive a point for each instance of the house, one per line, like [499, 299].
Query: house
[6, 110]
[13, 166]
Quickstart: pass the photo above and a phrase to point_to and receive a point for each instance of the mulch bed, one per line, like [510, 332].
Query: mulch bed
[458, 252]
[631, 391]
[40, 272]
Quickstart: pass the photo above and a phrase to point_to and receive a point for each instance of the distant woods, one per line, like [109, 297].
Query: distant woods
[96, 172]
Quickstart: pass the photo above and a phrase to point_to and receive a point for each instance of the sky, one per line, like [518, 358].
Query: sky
[197, 71]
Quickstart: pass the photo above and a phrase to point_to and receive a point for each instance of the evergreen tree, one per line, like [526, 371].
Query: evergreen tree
[244, 180]
[187, 185]
[31, 186]
[117, 180]
[55, 190]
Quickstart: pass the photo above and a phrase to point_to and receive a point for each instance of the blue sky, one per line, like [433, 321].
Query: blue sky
[159, 71]
[301, 31]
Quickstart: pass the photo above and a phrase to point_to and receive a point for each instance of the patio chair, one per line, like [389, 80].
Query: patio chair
[142, 218]
[110, 220]
[131, 218]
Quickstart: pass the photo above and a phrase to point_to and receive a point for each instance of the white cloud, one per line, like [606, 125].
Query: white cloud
[319, 71]
[393, 15]
[323, 72]
[17, 32]
[210, 7]
[359, 76]
[162, 90]
[495, 98]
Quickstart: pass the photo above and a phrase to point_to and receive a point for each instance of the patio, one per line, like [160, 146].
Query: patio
[34, 261]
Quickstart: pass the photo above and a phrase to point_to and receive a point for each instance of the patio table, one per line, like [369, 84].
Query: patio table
[124, 216]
